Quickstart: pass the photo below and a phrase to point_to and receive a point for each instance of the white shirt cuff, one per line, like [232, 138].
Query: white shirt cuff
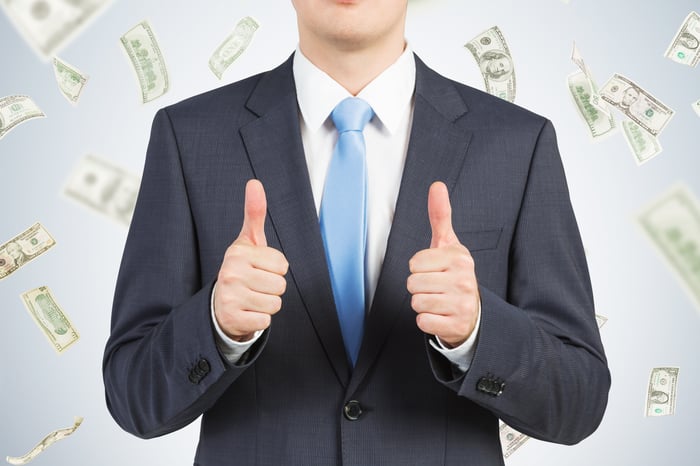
[231, 349]
[462, 355]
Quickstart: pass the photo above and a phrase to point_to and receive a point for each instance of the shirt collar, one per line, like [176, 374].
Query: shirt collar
[389, 94]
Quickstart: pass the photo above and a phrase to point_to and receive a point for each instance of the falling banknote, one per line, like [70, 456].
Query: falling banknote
[50, 318]
[673, 225]
[643, 145]
[147, 61]
[104, 187]
[495, 62]
[685, 47]
[48, 25]
[640, 106]
[70, 80]
[15, 110]
[511, 439]
[696, 107]
[661, 392]
[233, 46]
[600, 320]
[23, 248]
[45, 443]
[593, 110]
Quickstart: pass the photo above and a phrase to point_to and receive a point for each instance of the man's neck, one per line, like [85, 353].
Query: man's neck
[353, 68]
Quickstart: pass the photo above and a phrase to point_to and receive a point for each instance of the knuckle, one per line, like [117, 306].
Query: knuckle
[460, 258]
[464, 286]
[468, 259]
[412, 264]
[264, 321]
[225, 293]
[233, 251]
[276, 304]
[226, 276]
[459, 261]
[281, 286]
[416, 301]
[229, 322]
[226, 302]
[281, 262]
[410, 284]
[258, 302]
[423, 323]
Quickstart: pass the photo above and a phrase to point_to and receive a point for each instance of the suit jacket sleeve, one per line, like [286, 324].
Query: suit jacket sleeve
[161, 367]
[540, 345]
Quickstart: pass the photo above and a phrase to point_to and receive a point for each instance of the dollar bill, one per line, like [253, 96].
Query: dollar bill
[582, 91]
[511, 439]
[147, 61]
[643, 145]
[696, 107]
[233, 46]
[685, 47]
[70, 80]
[24, 248]
[46, 442]
[495, 62]
[104, 187]
[15, 110]
[48, 25]
[50, 318]
[673, 225]
[595, 99]
[600, 320]
[639, 105]
[661, 392]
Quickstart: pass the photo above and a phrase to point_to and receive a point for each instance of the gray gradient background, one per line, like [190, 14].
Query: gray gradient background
[653, 321]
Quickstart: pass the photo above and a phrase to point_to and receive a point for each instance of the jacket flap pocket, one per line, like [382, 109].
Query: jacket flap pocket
[480, 240]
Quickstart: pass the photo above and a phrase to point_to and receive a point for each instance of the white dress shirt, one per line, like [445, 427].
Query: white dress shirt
[386, 139]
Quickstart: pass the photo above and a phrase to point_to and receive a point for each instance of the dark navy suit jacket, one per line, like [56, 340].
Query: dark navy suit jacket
[539, 363]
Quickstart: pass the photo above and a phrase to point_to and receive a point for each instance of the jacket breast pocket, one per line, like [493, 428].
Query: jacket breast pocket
[480, 240]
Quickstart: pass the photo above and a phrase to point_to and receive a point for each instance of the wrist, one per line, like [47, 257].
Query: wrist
[241, 338]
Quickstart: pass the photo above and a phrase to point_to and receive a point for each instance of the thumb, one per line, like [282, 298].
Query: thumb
[440, 215]
[254, 212]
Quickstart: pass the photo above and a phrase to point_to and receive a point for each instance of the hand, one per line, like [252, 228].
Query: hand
[251, 278]
[443, 280]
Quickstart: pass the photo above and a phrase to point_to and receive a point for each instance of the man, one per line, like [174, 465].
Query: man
[629, 97]
[15, 251]
[478, 300]
[689, 41]
[496, 65]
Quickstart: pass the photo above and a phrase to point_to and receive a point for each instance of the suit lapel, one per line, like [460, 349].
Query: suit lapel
[274, 146]
[436, 152]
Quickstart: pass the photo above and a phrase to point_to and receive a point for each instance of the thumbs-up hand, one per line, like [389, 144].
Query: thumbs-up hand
[443, 281]
[251, 278]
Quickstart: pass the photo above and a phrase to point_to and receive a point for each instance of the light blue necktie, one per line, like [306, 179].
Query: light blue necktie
[343, 219]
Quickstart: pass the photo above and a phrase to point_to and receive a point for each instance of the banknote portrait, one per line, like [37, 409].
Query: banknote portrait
[496, 65]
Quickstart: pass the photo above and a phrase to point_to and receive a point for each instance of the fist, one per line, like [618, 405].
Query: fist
[251, 278]
[443, 285]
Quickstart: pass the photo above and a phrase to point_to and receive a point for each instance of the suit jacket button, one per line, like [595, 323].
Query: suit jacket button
[352, 410]
[198, 372]
[483, 385]
[491, 385]
[203, 367]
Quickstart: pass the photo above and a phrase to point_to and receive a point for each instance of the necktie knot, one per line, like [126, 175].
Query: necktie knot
[351, 114]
